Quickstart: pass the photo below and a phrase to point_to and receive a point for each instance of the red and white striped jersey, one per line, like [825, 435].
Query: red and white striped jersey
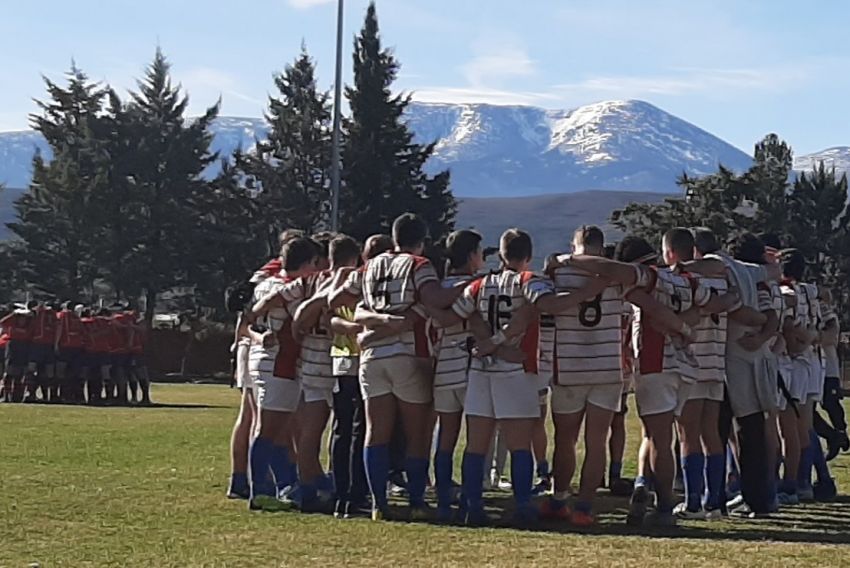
[281, 360]
[547, 363]
[497, 297]
[316, 364]
[654, 351]
[590, 335]
[390, 284]
[452, 366]
[709, 344]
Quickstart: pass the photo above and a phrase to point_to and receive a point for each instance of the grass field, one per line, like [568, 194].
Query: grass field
[145, 487]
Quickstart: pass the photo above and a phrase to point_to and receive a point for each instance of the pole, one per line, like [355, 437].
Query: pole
[335, 153]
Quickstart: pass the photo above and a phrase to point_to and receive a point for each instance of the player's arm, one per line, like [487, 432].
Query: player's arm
[496, 344]
[347, 293]
[749, 317]
[342, 326]
[434, 296]
[662, 319]
[555, 304]
[754, 341]
[610, 270]
[261, 308]
[308, 314]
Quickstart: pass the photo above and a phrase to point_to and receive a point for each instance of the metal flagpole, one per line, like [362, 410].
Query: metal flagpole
[335, 154]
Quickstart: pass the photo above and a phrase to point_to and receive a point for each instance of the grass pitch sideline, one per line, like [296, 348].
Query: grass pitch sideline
[145, 487]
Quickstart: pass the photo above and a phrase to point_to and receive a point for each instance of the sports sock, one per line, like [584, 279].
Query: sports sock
[694, 468]
[279, 464]
[788, 486]
[615, 470]
[417, 476]
[522, 476]
[542, 468]
[583, 507]
[714, 475]
[472, 477]
[308, 493]
[818, 459]
[259, 458]
[804, 474]
[443, 478]
[238, 483]
[377, 462]
[641, 481]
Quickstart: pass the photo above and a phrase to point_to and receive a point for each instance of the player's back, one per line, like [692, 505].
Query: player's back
[709, 345]
[452, 354]
[316, 345]
[589, 336]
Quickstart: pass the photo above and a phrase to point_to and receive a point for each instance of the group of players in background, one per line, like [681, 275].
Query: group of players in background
[74, 354]
[727, 353]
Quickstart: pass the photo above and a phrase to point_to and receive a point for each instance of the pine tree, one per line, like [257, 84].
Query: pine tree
[768, 184]
[54, 216]
[290, 170]
[170, 155]
[382, 166]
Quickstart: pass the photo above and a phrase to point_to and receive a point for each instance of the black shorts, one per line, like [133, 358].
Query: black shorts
[137, 359]
[73, 357]
[17, 353]
[94, 360]
[42, 354]
[121, 360]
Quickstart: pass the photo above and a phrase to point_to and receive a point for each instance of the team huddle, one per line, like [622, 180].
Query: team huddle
[394, 345]
[73, 354]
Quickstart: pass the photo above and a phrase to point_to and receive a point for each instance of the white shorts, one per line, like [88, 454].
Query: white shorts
[502, 396]
[661, 392]
[707, 390]
[816, 379]
[448, 401]
[801, 377]
[569, 399]
[543, 396]
[279, 395]
[243, 376]
[409, 379]
[315, 392]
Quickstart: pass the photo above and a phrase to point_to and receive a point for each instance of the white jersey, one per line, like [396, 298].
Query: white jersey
[803, 307]
[280, 360]
[497, 297]
[709, 346]
[452, 365]
[654, 351]
[548, 338]
[316, 364]
[831, 363]
[390, 284]
[590, 335]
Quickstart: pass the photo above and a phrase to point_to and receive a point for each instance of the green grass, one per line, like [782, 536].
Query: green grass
[145, 487]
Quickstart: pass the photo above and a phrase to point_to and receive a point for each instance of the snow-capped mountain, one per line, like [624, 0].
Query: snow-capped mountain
[509, 151]
[838, 158]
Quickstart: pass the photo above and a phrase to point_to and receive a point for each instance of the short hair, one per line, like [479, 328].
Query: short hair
[343, 249]
[287, 235]
[460, 244]
[748, 248]
[794, 264]
[516, 245]
[681, 242]
[590, 236]
[32, 304]
[239, 295]
[771, 240]
[409, 230]
[633, 248]
[323, 240]
[298, 252]
[705, 241]
[377, 244]
[608, 251]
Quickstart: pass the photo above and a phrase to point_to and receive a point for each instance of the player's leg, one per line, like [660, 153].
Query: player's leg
[341, 434]
[480, 427]
[449, 405]
[312, 419]
[380, 407]
[753, 459]
[415, 419]
[617, 447]
[772, 444]
[143, 378]
[804, 474]
[715, 457]
[540, 447]
[788, 430]
[240, 441]
[832, 405]
[693, 459]
[567, 428]
[597, 422]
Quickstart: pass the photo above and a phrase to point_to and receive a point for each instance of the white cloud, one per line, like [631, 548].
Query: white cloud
[498, 66]
[484, 95]
[307, 4]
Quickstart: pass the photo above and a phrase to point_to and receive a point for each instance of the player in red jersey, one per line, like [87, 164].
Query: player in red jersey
[42, 355]
[68, 344]
[16, 328]
[98, 361]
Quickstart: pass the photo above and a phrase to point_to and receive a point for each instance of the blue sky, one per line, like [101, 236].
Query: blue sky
[737, 69]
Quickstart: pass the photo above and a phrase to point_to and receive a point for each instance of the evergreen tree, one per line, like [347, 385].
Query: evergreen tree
[290, 170]
[54, 215]
[382, 166]
[768, 184]
[170, 155]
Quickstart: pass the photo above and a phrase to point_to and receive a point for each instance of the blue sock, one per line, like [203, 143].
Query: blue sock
[542, 468]
[308, 493]
[417, 477]
[377, 462]
[583, 507]
[615, 470]
[293, 472]
[714, 479]
[788, 486]
[641, 481]
[522, 476]
[472, 480]
[443, 478]
[259, 456]
[733, 464]
[694, 468]
[818, 459]
[804, 474]
[279, 464]
[239, 483]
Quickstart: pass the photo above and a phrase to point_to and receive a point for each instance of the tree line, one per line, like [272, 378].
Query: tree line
[127, 206]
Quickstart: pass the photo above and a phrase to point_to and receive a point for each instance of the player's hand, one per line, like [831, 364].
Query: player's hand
[269, 339]
[484, 348]
[364, 337]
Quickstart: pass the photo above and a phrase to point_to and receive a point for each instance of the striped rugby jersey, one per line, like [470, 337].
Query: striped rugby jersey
[654, 351]
[281, 360]
[316, 364]
[452, 366]
[590, 335]
[806, 312]
[497, 297]
[709, 345]
[390, 284]
[548, 337]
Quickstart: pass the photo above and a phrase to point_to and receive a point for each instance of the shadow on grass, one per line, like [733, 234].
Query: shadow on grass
[817, 523]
